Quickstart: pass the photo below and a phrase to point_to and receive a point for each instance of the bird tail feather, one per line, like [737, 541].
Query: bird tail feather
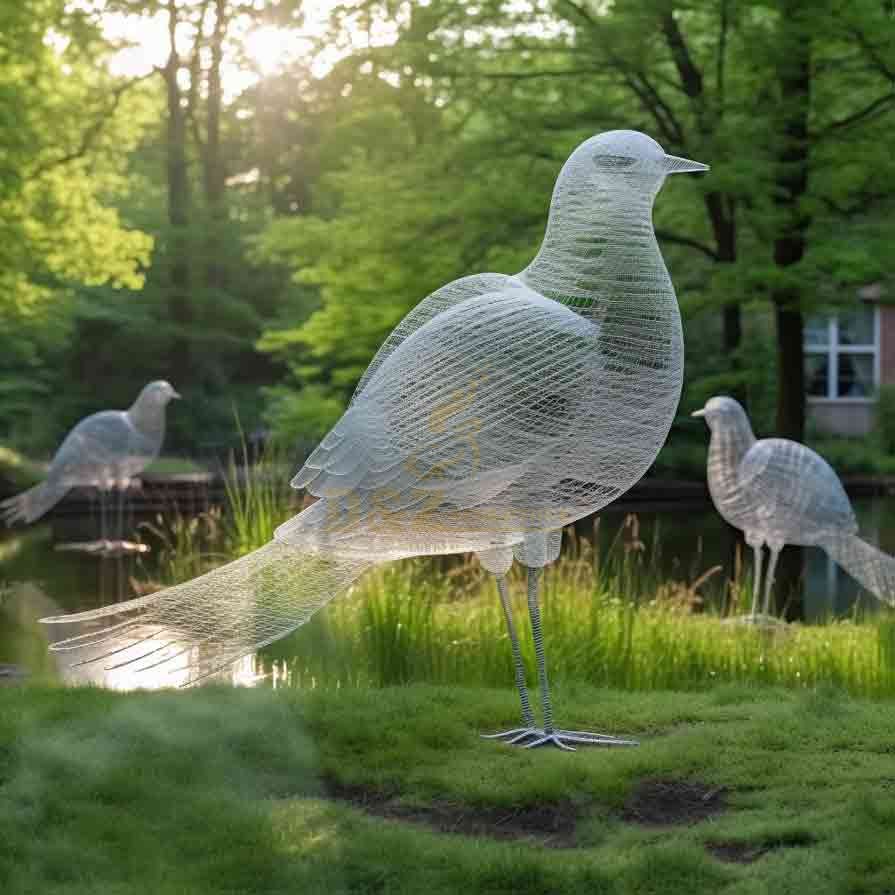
[872, 568]
[31, 504]
[205, 625]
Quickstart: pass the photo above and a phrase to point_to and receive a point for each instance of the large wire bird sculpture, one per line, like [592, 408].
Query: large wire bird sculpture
[780, 492]
[106, 450]
[499, 410]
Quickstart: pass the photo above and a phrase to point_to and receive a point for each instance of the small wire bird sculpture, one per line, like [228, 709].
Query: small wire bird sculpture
[106, 450]
[499, 410]
[780, 492]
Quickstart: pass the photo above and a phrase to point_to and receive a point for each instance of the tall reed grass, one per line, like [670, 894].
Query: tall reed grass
[610, 616]
[607, 621]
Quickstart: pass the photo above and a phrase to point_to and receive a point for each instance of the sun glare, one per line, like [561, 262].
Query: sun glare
[256, 51]
[270, 48]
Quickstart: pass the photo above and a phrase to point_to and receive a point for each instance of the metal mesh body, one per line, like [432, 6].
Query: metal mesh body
[499, 410]
[505, 405]
[105, 450]
[780, 492]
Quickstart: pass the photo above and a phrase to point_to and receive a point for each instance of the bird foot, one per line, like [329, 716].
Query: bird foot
[567, 740]
[516, 735]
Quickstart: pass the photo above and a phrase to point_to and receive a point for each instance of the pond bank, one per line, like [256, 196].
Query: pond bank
[190, 493]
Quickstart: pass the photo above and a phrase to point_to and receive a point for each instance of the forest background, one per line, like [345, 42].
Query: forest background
[244, 197]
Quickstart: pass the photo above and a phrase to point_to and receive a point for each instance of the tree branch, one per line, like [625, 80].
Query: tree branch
[93, 131]
[690, 75]
[878, 62]
[689, 242]
[544, 73]
[192, 98]
[721, 61]
[867, 112]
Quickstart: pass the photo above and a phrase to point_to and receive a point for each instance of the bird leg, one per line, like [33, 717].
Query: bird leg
[119, 525]
[102, 513]
[562, 739]
[756, 576]
[528, 729]
[769, 579]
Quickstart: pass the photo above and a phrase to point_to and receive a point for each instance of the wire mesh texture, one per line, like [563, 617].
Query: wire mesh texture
[105, 450]
[499, 410]
[780, 492]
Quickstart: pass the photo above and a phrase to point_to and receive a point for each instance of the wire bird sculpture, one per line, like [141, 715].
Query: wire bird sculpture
[499, 410]
[106, 450]
[780, 492]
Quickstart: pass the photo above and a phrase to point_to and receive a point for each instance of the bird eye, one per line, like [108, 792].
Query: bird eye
[615, 162]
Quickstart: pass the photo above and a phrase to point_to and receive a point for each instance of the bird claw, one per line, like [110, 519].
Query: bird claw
[516, 735]
[562, 739]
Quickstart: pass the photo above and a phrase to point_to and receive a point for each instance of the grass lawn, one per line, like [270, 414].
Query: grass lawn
[733, 790]
[163, 466]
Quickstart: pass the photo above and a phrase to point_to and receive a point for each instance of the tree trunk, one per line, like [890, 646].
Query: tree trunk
[178, 214]
[724, 231]
[794, 70]
[791, 184]
[215, 178]
[790, 367]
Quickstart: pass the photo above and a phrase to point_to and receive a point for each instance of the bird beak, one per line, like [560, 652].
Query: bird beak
[676, 165]
[698, 412]
[175, 394]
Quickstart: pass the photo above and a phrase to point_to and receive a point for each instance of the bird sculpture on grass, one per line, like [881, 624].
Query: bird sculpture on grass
[499, 410]
[106, 450]
[780, 492]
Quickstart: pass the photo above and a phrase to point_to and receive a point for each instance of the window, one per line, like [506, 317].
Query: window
[841, 355]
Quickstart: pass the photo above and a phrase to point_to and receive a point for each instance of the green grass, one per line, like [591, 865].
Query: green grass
[214, 791]
[259, 499]
[164, 466]
[406, 624]
[609, 618]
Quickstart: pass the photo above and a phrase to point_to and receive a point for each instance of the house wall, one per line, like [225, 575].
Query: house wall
[855, 418]
[851, 419]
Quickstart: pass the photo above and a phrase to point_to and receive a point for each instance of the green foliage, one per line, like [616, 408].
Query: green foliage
[326, 206]
[301, 418]
[854, 456]
[65, 146]
[16, 472]
[885, 418]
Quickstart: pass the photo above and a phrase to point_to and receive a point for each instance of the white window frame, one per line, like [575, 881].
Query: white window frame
[832, 350]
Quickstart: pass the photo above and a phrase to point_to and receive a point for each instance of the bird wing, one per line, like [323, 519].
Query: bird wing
[95, 449]
[475, 402]
[441, 300]
[793, 490]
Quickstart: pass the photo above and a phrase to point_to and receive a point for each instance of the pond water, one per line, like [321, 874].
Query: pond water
[38, 579]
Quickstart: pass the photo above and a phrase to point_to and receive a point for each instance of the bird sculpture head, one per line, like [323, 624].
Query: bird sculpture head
[626, 160]
[723, 412]
[158, 393]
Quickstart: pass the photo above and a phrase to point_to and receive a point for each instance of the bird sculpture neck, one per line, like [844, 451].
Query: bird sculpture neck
[727, 447]
[600, 252]
[148, 417]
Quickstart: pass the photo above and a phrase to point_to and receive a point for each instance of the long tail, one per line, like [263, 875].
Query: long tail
[872, 568]
[31, 504]
[205, 625]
